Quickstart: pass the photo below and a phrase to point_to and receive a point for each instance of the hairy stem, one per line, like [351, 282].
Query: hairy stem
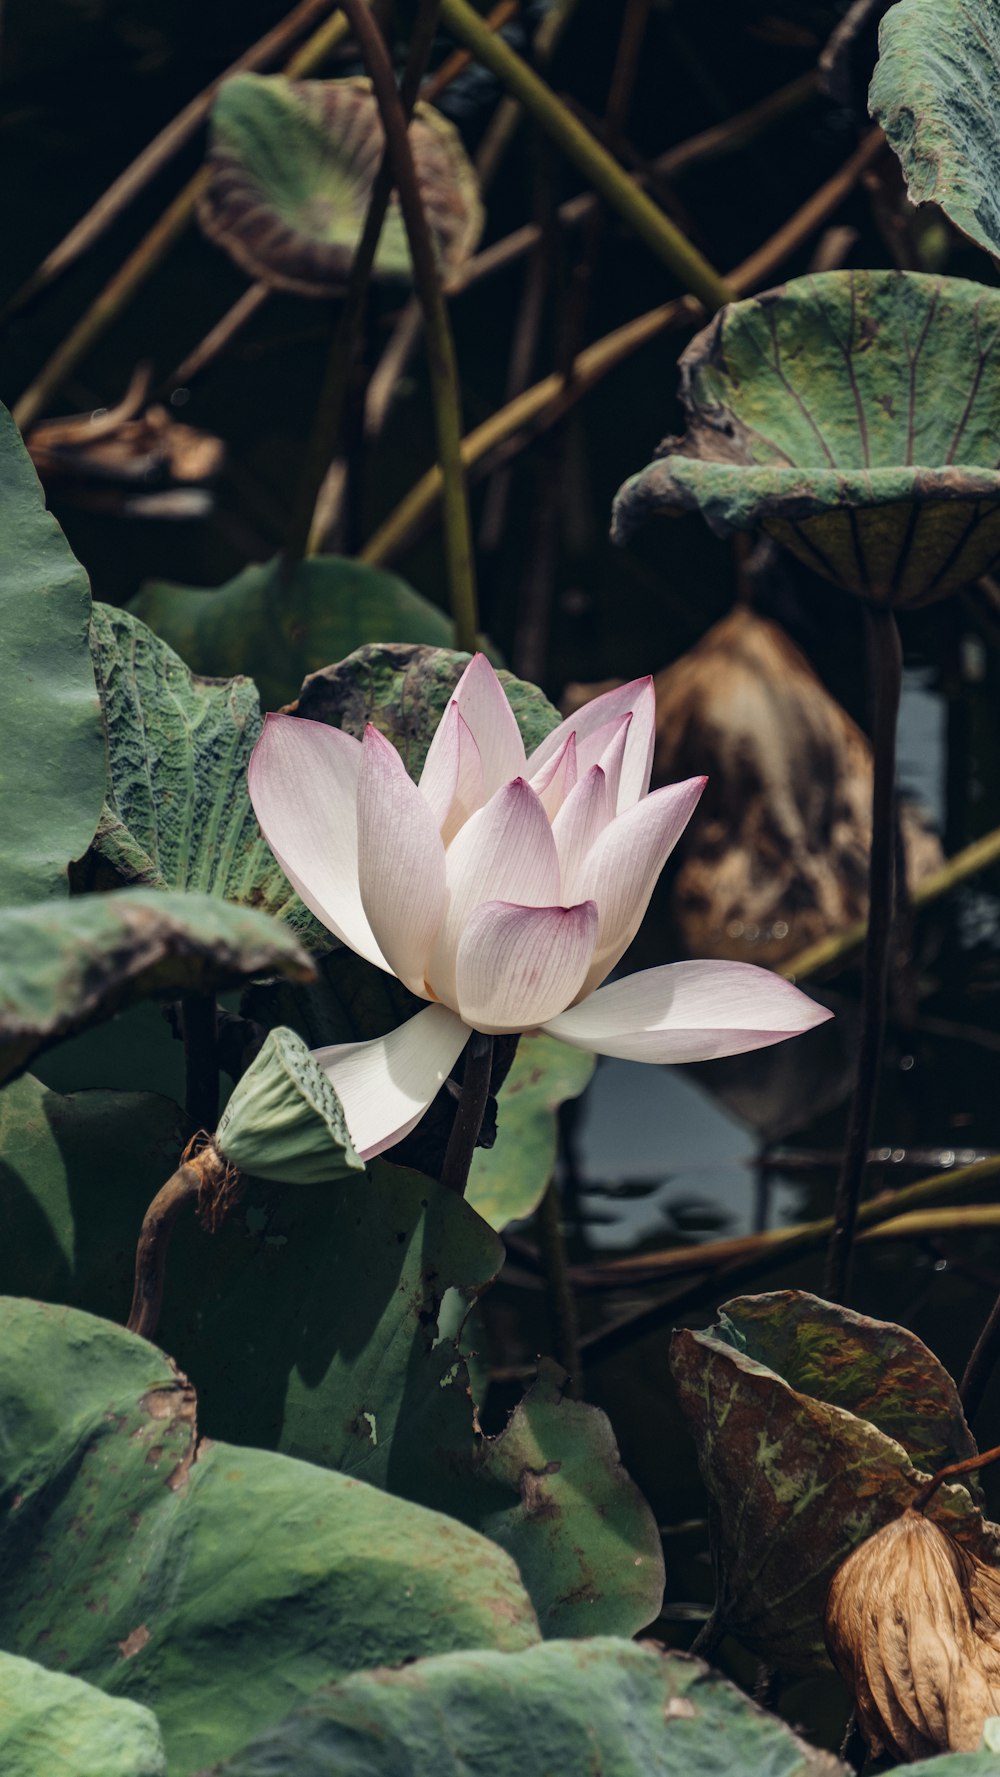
[886, 667]
[151, 1251]
[469, 1116]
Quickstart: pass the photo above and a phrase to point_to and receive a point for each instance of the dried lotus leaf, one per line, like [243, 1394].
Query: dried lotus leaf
[290, 173]
[284, 1121]
[906, 1630]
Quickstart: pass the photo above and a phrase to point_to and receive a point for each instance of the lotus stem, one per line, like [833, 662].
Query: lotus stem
[140, 264]
[469, 1115]
[441, 362]
[981, 1364]
[559, 1301]
[199, 1020]
[151, 1251]
[953, 1471]
[886, 668]
[631, 203]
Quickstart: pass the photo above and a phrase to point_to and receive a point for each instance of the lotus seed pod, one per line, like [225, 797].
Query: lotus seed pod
[284, 1120]
[910, 1628]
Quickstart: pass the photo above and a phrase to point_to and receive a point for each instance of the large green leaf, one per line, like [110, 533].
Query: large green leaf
[219, 1585]
[279, 628]
[291, 168]
[69, 965]
[54, 1726]
[507, 1181]
[177, 810]
[814, 1426]
[52, 751]
[404, 690]
[561, 1710]
[855, 416]
[934, 93]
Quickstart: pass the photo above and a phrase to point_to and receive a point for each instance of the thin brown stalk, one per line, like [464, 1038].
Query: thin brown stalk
[469, 1115]
[151, 1251]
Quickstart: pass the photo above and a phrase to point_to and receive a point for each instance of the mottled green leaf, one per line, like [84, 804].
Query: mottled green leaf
[54, 1726]
[404, 691]
[70, 964]
[855, 416]
[177, 810]
[507, 1181]
[952, 1764]
[291, 167]
[219, 1585]
[279, 629]
[806, 1417]
[52, 752]
[600, 1707]
[934, 93]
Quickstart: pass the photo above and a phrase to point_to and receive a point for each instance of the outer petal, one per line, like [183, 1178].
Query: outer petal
[506, 852]
[400, 861]
[554, 782]
[483, 703]
[386, 1085]
[689, 1012]
[452, 778]
[637, 699]
[303, 780]
[518, 966]
[579, 823]
[622, 866]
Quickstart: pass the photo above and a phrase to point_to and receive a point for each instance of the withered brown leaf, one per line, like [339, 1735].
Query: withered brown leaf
[913, 1627]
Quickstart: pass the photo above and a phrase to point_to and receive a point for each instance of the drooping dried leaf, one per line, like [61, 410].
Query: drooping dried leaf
[912, 1630]
[291, 170]
[814, 1426]
[778, 856]
[853, 415]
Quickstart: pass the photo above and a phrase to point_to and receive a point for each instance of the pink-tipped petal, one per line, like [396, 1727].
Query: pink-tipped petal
[400, 861]
[554, 782]
[518, 966]
[303, 780]
[483, 703]
[386, 1085]
[581, 819]
[452, 778]
[689, 1012]
[606, 748]
[505, 852]
[621, 868]
[636, 699]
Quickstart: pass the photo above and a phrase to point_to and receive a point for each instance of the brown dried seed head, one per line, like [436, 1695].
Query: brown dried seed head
[912, 1627]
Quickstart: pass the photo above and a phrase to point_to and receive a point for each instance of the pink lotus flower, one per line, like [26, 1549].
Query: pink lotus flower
[503, 889]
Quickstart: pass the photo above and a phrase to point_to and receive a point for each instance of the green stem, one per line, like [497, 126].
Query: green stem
[597, 165]
[560, 1305]
[440, 346]
[469, 1115]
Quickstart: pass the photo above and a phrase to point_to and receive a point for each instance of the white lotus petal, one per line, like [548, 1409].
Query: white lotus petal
[517, 966]
[452, 778]
[621, 868]
[637, 699]
[483, 703]
[505, 852]
[386, 1085]
[606, 748]
[400, 861]
[303, 780]
[581, 819]
[689, 1012]
[554, 782]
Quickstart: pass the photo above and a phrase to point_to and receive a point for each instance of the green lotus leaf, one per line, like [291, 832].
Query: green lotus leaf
[218, 1584]
[54, 1726]
[814, 1426]
[507, 1182]
[934, 93]
[567, 1707]
[404, 690]
[284, 1121]
[855, 417]
[290, 173]
[177, 810]
[278, 629]
[67, 965]
[52, 756]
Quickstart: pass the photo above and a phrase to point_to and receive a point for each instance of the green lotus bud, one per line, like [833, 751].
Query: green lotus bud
[284, 1120]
